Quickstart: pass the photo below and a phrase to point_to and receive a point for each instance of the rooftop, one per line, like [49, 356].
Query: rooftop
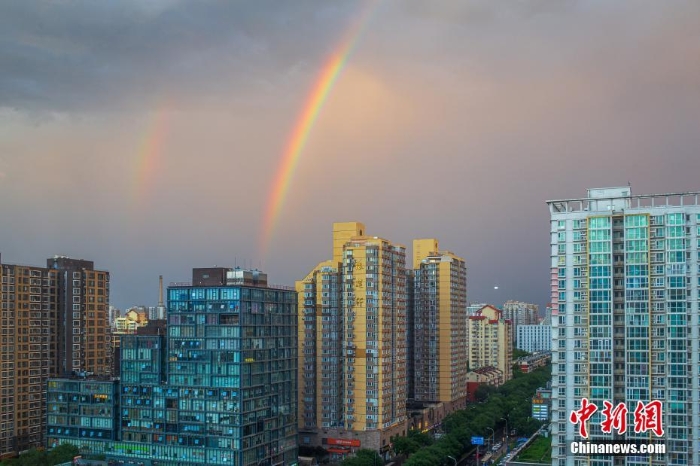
[606, 199]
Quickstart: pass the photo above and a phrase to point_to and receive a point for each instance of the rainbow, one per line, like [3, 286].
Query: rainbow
[307, 118]
[150, 153]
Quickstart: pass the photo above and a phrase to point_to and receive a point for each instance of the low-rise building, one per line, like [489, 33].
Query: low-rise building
[533, 361]
[483, 376]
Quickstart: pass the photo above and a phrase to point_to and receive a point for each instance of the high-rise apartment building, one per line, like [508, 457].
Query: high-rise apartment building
[84, 337]
[489, 342]
[29, 354]
[352, 344]
[438, 314]
[520, 313]
[54, 321]
[625, 283]
[219, 389]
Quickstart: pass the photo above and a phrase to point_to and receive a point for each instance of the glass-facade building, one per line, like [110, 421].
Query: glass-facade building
[221, 388]
[625, 278]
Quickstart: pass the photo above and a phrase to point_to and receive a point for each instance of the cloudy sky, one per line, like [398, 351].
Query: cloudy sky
[146, 136]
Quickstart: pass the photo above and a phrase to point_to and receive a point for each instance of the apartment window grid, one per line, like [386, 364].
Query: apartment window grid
[655, 306]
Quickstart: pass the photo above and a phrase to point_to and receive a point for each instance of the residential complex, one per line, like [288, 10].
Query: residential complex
[437, 324]
[489, 341]
[219, 389]
[83, 332]
[534, 338]
[352, 344]
[625, 283]
[520, 313]
[54, 321]
[29, 353]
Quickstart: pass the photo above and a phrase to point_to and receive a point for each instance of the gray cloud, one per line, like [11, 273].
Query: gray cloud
[66, 56]
[451, 119]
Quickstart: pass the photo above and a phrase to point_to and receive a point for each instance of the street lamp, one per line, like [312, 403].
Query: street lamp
[507, 446]
[493, 437]
[452, 459]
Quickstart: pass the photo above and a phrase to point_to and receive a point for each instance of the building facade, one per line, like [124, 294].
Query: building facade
[352, 344]
[84, 337]
[520, 313]
[625, 285]
[439, 334]
[54, 320]
[221, 388]
[534, 338]
[29, 353]
[81, 408]
[489, 341]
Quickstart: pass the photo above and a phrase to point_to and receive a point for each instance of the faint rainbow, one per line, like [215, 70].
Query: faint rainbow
[150, 153]
[304, 124]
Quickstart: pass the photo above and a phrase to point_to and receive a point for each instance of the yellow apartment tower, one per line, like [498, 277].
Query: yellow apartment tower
[352, 345]
[438, 317]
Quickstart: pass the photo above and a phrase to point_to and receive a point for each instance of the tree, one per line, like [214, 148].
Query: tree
[63, 453]
[32, 457]
[364, 457]
[405, 446]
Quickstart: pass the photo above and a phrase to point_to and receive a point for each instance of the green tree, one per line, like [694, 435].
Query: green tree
[32, 457]
[518, 353]
[422, 438]
[405, 446]
[62, 454]
[364, 457]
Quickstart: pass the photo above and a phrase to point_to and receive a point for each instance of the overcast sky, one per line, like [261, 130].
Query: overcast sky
[451, 119]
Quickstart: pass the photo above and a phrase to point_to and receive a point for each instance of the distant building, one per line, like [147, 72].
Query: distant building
[483, 376]
[533, 361]
[113, 313]
[547, 319]
[489, 341]
[474, 307]
[534, 338]
[520, 313]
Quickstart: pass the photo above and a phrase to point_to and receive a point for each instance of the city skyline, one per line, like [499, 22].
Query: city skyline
[119, 121]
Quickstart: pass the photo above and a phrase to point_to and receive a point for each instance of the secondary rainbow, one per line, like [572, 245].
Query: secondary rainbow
[307, 118]
[150, 153]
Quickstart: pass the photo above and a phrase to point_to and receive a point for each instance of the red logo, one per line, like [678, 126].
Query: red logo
[582, 415]
[646, 417]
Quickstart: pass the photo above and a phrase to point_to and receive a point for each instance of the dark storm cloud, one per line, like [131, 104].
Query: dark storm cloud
[77, 55]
